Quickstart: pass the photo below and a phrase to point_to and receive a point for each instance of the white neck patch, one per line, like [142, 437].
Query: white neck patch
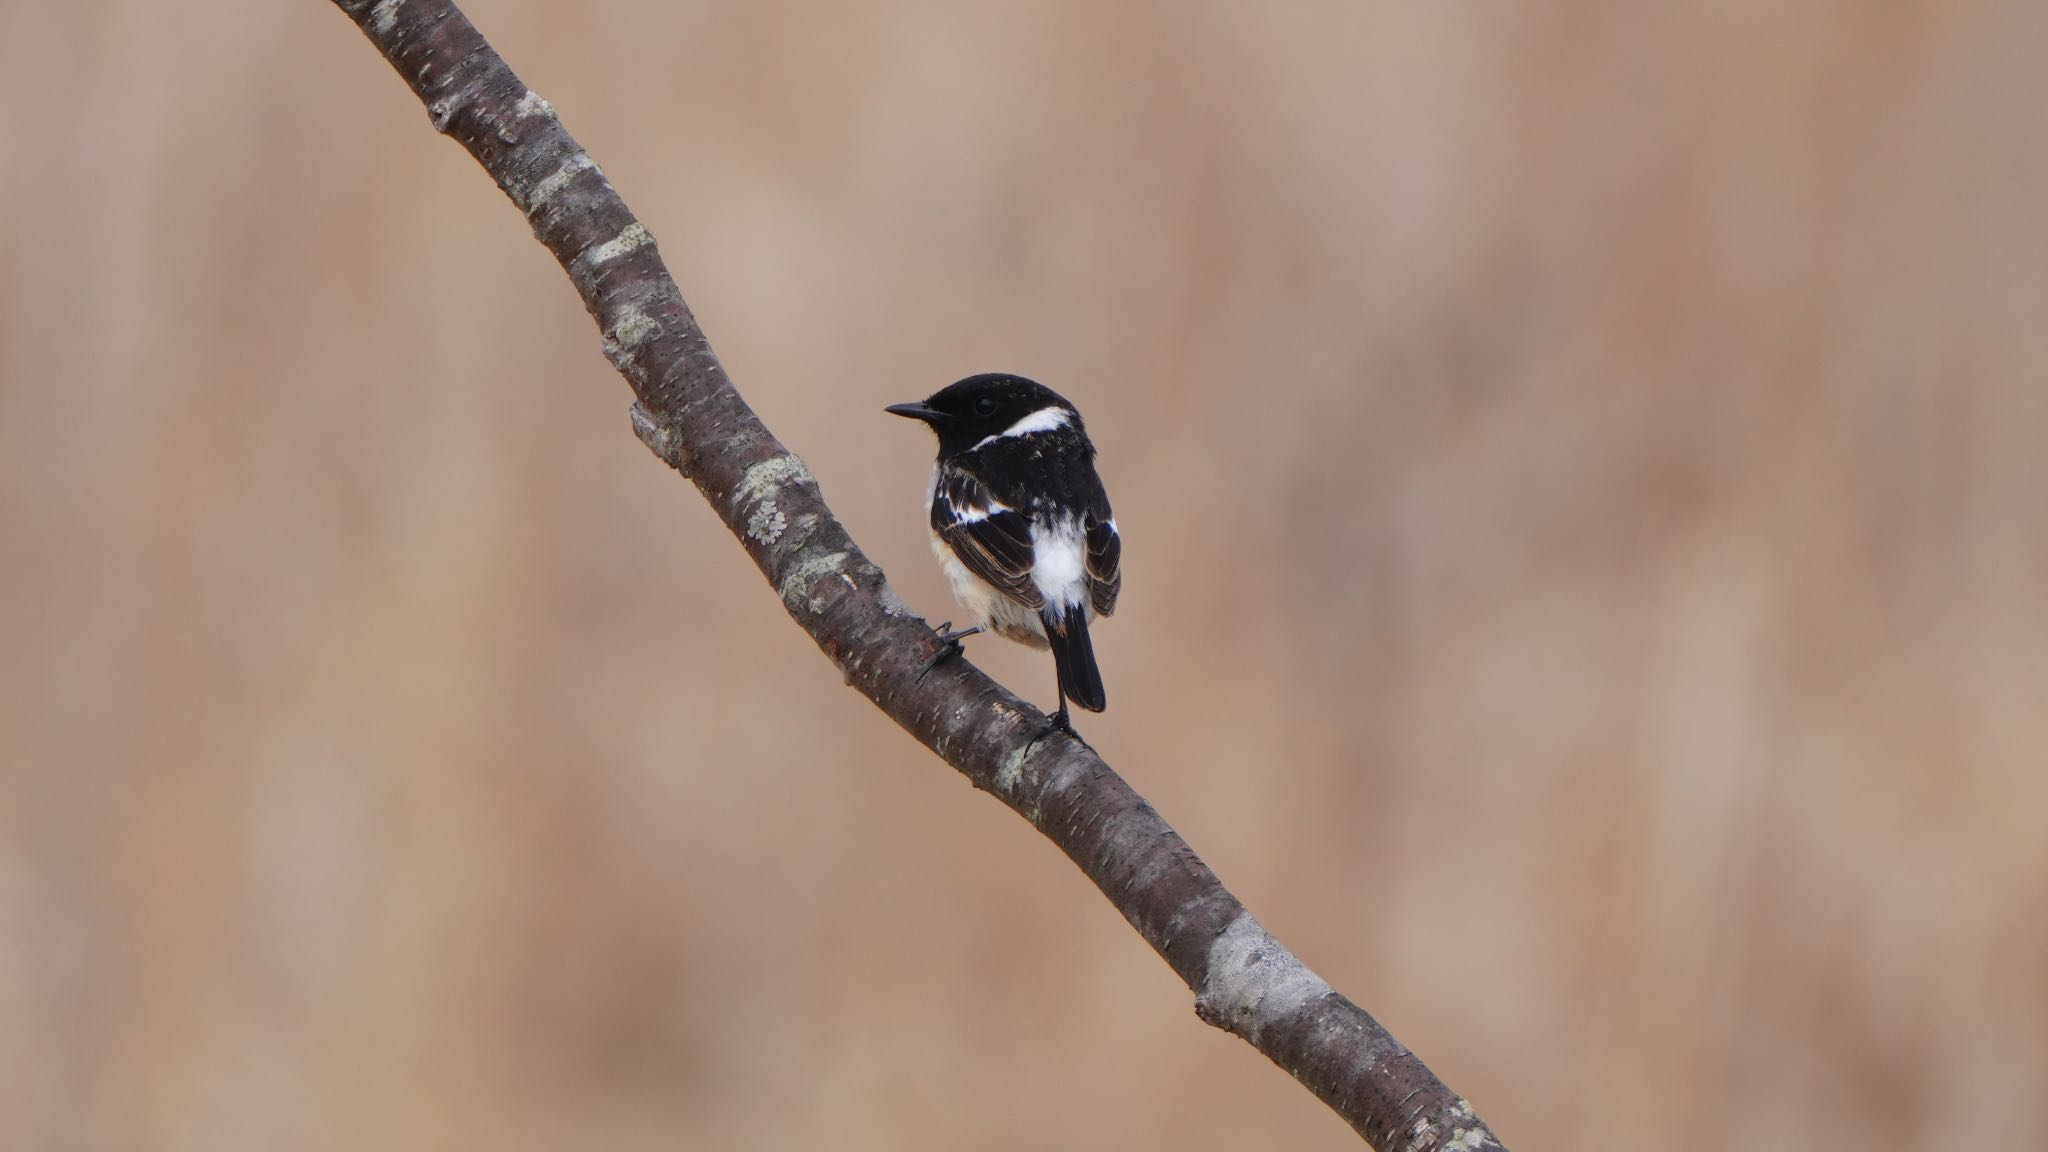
[1044, 420]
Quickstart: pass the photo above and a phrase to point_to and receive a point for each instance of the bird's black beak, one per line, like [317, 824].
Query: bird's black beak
[916, 412]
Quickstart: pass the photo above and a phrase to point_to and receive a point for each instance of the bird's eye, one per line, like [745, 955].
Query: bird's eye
[986, 406]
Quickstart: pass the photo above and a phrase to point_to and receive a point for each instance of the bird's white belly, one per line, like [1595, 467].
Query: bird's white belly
[986, 607]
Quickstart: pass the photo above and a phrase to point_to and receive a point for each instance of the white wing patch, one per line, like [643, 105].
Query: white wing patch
[972, 514]
[964, 513]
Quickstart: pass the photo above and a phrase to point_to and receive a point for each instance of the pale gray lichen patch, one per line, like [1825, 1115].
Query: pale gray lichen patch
[631, 237]
[766, 524]
[1424, 1132]
[1463, 1139]
[806, 573]
[384, 15]
[800, 530]
[551, 185]
[1010, 773]
[534, 104]
[767, 479]
[632, 329]
[1468, 1139]
[1254, 981]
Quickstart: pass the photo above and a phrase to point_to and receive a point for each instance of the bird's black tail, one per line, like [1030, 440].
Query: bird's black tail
[1074, 656]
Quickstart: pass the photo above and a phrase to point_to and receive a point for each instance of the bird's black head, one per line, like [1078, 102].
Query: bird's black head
[987, 407]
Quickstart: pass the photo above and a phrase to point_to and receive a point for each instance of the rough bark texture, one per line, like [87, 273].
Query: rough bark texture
[689, 414]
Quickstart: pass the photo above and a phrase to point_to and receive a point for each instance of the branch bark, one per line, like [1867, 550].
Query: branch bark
[687, 411]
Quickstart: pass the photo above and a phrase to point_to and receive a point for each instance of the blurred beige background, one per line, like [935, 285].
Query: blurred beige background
[1582, 467]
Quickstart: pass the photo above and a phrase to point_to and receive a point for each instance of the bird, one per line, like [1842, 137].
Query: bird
[1021, 525]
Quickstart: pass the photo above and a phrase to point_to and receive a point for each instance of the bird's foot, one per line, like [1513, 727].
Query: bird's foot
[1062, 723]
[948, 647]
[1057, 724]
[951, 639]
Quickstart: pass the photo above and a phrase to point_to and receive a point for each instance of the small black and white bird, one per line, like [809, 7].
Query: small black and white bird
[1020, 522]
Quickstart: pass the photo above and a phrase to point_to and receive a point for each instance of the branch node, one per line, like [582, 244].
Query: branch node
[658, 436]
[1254, 981]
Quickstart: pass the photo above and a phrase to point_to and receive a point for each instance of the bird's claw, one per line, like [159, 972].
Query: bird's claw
[1058, 724]
[948, 647]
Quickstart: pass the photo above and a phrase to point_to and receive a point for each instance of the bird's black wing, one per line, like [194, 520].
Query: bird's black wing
[1105, 553]
[991, 538]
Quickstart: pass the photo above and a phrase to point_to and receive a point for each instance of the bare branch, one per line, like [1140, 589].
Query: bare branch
[689, 414]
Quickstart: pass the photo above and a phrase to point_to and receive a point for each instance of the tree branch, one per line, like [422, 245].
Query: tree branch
[689, 414]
